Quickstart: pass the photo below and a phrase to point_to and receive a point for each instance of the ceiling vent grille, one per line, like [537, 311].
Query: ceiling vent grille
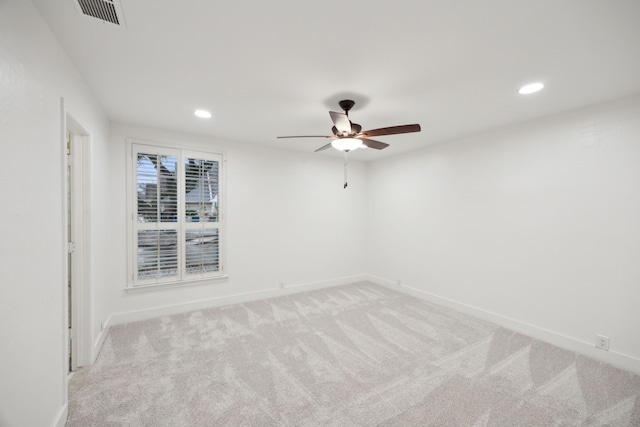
[104, 10]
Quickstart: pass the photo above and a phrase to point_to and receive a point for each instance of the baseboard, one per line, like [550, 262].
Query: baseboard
[97, 345]
[588, 349]
[62, 416]
[150, 313]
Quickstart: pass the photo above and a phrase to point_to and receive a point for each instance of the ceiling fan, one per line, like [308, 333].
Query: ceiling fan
[348, 136]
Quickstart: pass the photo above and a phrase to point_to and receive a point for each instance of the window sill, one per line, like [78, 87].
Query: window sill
[171, 285]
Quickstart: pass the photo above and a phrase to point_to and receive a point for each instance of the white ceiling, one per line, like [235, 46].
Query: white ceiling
[270, 68]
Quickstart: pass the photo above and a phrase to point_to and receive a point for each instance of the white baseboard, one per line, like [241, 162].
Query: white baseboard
[62, 416]
[150, 313]
[588, 349]
[97, 345]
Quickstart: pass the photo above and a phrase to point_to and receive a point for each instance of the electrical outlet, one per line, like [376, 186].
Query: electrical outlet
[602, 342]
[399, 282]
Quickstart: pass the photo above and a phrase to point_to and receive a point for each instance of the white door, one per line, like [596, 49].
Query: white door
[77, 230]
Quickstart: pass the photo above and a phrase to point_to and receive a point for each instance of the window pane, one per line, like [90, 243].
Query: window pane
[156, 178]
[201, 251]
[157, 254]
[201, 190]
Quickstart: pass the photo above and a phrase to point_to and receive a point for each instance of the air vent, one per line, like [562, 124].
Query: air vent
[104, 10]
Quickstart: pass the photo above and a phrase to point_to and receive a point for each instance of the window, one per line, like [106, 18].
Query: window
[176, 220]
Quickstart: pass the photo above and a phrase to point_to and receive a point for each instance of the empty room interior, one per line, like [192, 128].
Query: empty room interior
[325, 213]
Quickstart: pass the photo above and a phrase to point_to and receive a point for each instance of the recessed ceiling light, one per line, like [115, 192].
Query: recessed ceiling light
[204, 114]
[530, 88]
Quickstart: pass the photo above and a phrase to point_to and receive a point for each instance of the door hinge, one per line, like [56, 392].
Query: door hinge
[71, 247]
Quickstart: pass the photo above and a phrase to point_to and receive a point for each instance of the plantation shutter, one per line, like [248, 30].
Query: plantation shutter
[156, 214]
[201, 205]
[176, 219]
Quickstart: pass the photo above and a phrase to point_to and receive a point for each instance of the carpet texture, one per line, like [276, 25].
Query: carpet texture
[355, 355]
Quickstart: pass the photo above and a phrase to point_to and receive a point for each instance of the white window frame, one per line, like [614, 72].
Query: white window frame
[135, 146]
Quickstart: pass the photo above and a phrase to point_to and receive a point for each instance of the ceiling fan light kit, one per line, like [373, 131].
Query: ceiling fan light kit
[348, 136]
[346, 144]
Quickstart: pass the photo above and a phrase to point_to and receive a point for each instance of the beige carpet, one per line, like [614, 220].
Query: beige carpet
[356, 355]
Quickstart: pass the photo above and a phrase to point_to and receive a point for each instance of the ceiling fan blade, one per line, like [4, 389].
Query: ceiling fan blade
[307, 136]
[324, 147]
[392, 130]
[341, 121]
[376, 145]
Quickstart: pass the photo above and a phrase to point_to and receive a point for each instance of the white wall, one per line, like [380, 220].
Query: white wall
[536, 226]
[288, 220]
[35, 74]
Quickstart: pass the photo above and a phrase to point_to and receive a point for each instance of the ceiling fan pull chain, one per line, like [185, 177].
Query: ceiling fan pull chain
[345, 169]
